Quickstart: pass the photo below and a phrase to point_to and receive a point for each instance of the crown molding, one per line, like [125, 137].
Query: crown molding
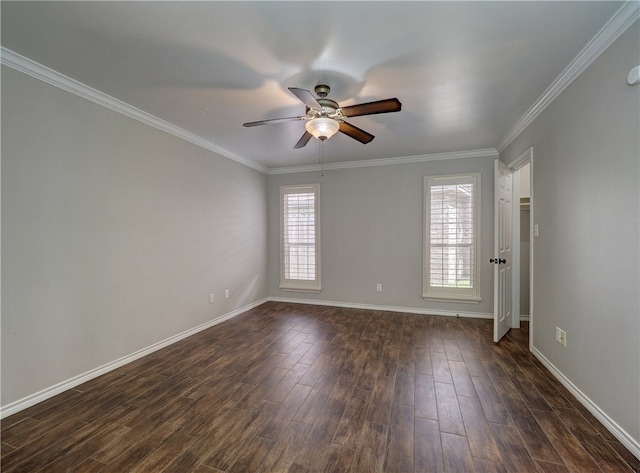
[474, 153]
[617, 24]
[27, 66]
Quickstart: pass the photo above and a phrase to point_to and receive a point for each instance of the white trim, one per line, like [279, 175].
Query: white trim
[473, 153]
[384, 308]
[617, 24]
[314, 285]
[298, 289]
[626, 439]
[38, 71]
[51, 391]
[522, 160]
[453, 298]
[451, 294]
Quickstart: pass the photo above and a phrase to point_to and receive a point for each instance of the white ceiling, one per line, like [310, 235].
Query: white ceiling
[465, 72]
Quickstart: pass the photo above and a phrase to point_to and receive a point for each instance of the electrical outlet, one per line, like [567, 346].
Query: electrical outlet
[226, 293]
[561, 336]
[211, 298]
[379, 287]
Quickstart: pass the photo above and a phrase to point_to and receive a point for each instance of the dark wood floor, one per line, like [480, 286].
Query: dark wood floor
[294, 388]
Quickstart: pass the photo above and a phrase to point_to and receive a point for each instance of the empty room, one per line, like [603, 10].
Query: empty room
[318, 236]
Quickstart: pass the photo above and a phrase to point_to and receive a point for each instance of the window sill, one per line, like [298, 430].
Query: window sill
[300, 289]
[461, 299]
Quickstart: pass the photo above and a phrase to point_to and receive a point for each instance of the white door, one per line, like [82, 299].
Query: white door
[501, 260]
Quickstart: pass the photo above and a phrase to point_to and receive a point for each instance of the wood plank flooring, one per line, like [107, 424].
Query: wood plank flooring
[296, 388]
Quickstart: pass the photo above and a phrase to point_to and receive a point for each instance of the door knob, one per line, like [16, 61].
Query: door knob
[497, 261]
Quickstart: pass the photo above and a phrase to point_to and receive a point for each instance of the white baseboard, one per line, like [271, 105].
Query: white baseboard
[47, 393]
[386, 308]
[624, 438]
[28, 401]
[618, 432]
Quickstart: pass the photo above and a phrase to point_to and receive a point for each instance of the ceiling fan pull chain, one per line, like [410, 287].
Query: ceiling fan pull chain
[322, 158]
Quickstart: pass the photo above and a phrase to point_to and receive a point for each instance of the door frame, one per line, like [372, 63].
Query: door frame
[521, 161]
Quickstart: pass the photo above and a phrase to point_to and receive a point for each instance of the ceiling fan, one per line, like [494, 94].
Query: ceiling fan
[325, 117]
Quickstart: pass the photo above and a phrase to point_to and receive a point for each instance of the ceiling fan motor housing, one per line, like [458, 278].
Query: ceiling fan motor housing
[322, 90]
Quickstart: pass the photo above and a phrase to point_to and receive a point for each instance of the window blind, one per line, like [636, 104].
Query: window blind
[299, 236]
[452, 236]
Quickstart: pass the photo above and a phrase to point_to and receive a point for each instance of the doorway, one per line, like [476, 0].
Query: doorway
[523, 241]
[524, 174]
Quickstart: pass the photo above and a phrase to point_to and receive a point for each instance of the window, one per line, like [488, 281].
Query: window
[300, 238]
[451, 238]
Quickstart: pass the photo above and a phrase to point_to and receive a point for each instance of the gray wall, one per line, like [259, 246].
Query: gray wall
[371, 222]
[113, 236]
[586, 172]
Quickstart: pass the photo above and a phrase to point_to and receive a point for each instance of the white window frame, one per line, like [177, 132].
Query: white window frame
[299, 284]
[451, 294]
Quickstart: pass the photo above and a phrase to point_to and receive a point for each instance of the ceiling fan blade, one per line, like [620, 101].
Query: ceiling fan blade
[274, 120]
[356, 133]
[302, 142]
[371, 108]
[306, 97]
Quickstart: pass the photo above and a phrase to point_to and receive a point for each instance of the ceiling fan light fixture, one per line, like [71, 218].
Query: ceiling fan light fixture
[322, 128]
